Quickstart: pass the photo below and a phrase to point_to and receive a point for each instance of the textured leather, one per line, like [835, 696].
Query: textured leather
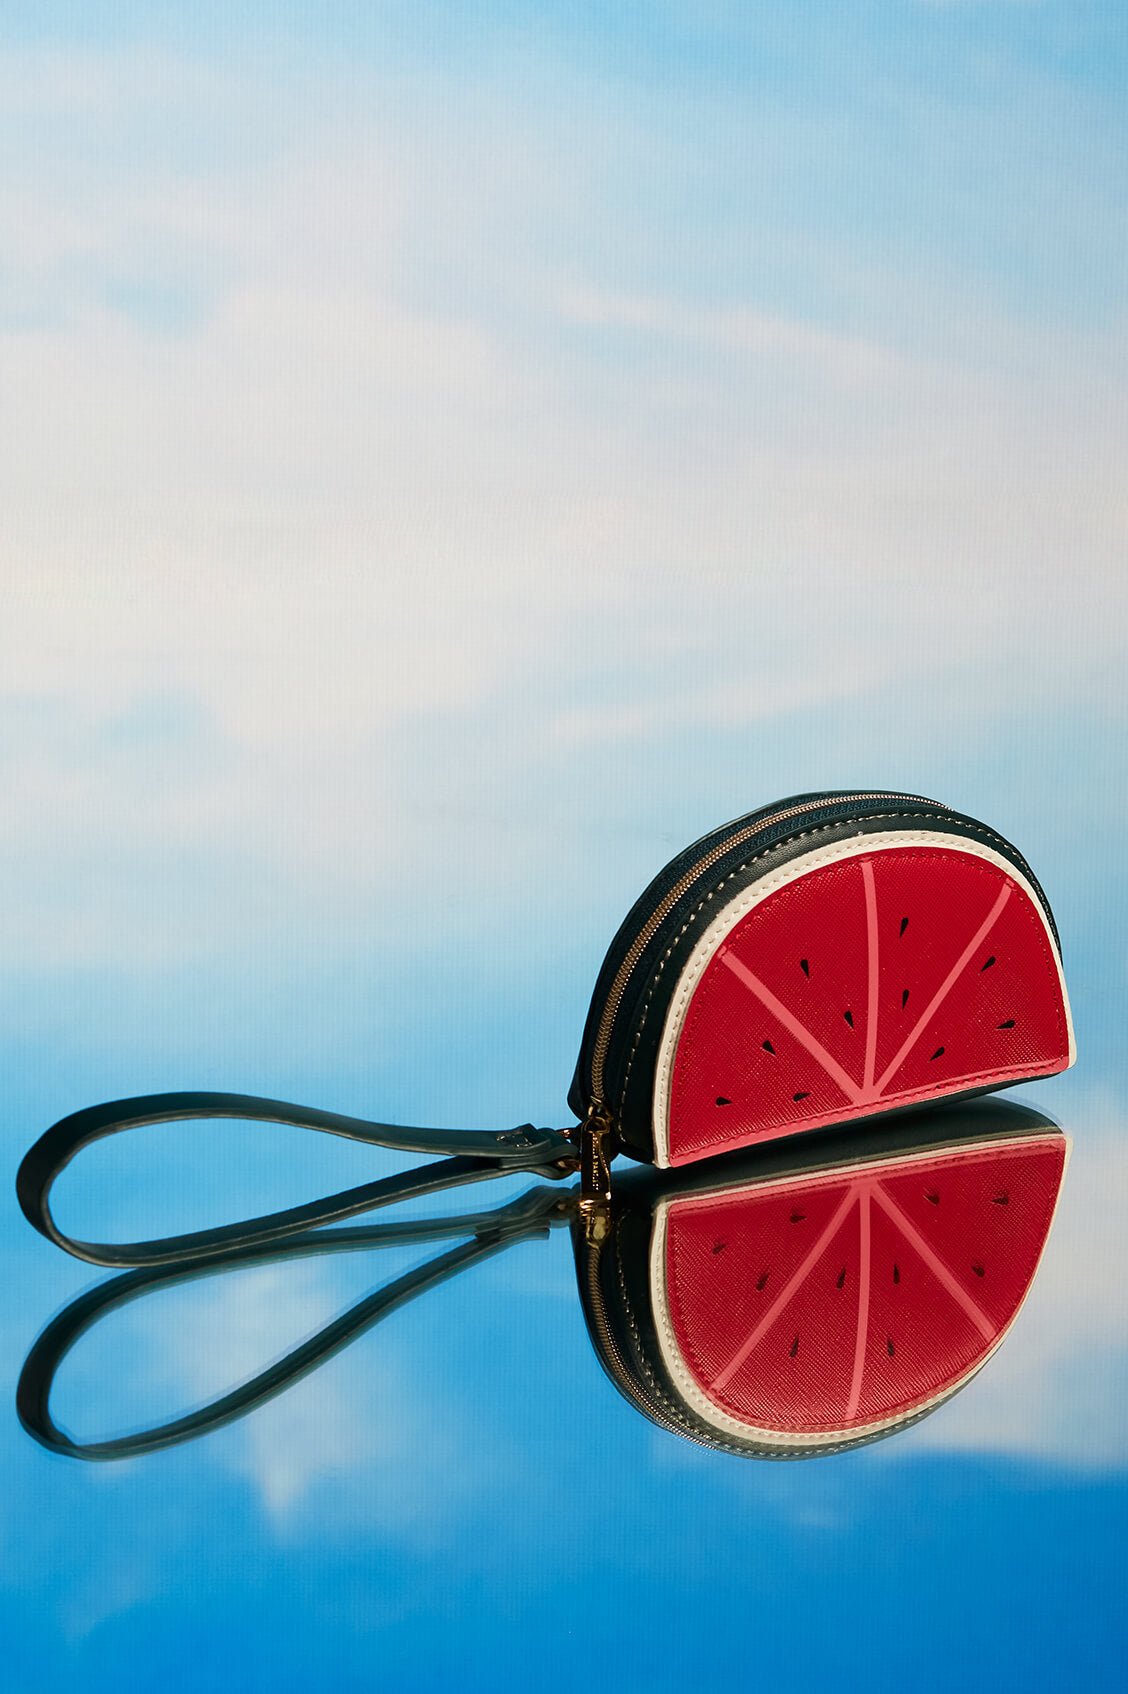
[888, 1010]
[630, 1066]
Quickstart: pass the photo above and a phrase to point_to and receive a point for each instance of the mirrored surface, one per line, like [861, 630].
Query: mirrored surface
[963, 1197]
[305, 1437]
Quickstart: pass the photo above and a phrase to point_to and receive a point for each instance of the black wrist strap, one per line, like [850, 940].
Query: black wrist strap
[531, 1214]
[477, 1155]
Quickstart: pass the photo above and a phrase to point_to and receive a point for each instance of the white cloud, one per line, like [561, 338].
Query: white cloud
[403, 474]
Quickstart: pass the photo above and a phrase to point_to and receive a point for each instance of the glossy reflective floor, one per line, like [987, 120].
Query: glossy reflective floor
[461, 1491]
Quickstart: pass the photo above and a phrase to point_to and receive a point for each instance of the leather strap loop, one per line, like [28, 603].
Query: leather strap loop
[478, 1155]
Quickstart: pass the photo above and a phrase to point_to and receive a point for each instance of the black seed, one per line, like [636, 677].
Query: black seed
[804, 967]
[849, 1016]
[904, 927]
[1000, 1200]
[841, 1277]
[798, 1217]
[719, 1246]
[889, 1344]
[721, 1101]
[760, 1284]
[904, 998]
[794, 1346]
[802, 1096]
[932, 1197]
[896, 1271]
[937, 1054]
[978, 1269]
[768, 1048]
[1008, 1025]
[990, 962]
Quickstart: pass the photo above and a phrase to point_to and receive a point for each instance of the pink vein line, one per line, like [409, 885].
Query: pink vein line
[936, 1265]
[785, 1292]
[871, 1010]
[944, 989]
[863, 1304]
[791, 1023]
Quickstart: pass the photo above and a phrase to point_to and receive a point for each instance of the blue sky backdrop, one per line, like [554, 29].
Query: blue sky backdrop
[451, 458]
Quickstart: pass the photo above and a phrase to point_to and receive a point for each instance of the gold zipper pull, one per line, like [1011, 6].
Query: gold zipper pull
[597, 1149]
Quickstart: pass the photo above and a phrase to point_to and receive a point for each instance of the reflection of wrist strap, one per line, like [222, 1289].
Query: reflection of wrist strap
[531, 1214]
[476, 1156]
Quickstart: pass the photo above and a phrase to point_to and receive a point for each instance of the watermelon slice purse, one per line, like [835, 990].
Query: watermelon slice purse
[822, 960]
[827, 958]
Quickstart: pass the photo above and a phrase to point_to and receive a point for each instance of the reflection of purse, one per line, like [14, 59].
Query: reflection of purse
[783, 1303]
[806, 1299]
[824, 959]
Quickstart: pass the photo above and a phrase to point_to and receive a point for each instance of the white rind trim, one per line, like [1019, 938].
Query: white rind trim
[724, 1422]
[748, 898]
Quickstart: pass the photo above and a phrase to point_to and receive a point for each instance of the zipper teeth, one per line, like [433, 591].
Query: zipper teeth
[613, 1355]
[669, 900]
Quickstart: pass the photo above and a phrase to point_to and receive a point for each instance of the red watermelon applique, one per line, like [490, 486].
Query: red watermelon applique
[876, 981]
